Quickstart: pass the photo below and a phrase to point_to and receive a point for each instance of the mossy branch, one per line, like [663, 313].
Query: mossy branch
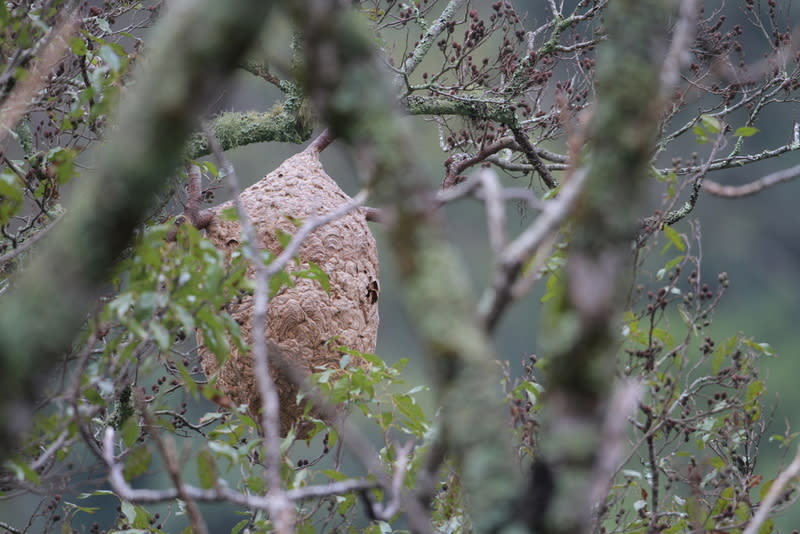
[357, 107]
[582, 327]
[286, 122]
[496, 110]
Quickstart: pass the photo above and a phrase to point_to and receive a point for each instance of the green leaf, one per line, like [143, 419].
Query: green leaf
[334, 475]
[746, 131]
[754, 390]
[22, 471]
[315, 272]
[712, 124]
[206, 469]
[722, 351]
[238, 527]
[278, 281]
[283, 237]
[85, 509]
[136, 516]
[137, 462]
[10, 196]
[130, 431]
[700, 135]
[229, 214]
[78, 46]
[674, 239]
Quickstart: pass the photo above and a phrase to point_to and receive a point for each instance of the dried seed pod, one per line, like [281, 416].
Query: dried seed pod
[305, 322]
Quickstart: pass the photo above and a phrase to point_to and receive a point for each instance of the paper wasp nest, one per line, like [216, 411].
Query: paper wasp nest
[304, 321]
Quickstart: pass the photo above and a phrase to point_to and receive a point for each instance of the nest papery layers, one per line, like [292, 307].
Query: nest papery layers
[305, 323]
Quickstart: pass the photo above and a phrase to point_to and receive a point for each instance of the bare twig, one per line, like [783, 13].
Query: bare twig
[495, 211]
[774, 493]
[322, 141]
[751, 188]
[678, 55]
[263, 72]
[533, 158]
[309, 226]
[9, 528]
[221, 492]
[456, 165]
[281, 511]
[166, 445]
[387, 511]
[498, 296]
[28, 243]
[49, 451]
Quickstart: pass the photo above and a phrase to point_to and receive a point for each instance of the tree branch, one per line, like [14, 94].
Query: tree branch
[287, 122]
[495, 298]
[425, 43]
[756, 186]
[221, 492]
[280, 509]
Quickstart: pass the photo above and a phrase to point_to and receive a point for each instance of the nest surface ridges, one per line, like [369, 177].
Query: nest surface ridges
[305, 323]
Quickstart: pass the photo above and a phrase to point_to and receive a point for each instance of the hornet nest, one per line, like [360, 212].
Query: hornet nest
[305, 322]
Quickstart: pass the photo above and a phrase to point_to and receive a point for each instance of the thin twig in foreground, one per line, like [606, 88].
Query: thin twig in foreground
[498, 296]
[281, 510]
[774, 494]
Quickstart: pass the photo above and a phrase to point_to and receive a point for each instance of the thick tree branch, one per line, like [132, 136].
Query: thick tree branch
[286, 122]
[476, 108]
[347, 89]
[581, 326]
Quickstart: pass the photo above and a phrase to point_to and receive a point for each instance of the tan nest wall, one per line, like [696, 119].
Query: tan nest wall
[304, 321]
